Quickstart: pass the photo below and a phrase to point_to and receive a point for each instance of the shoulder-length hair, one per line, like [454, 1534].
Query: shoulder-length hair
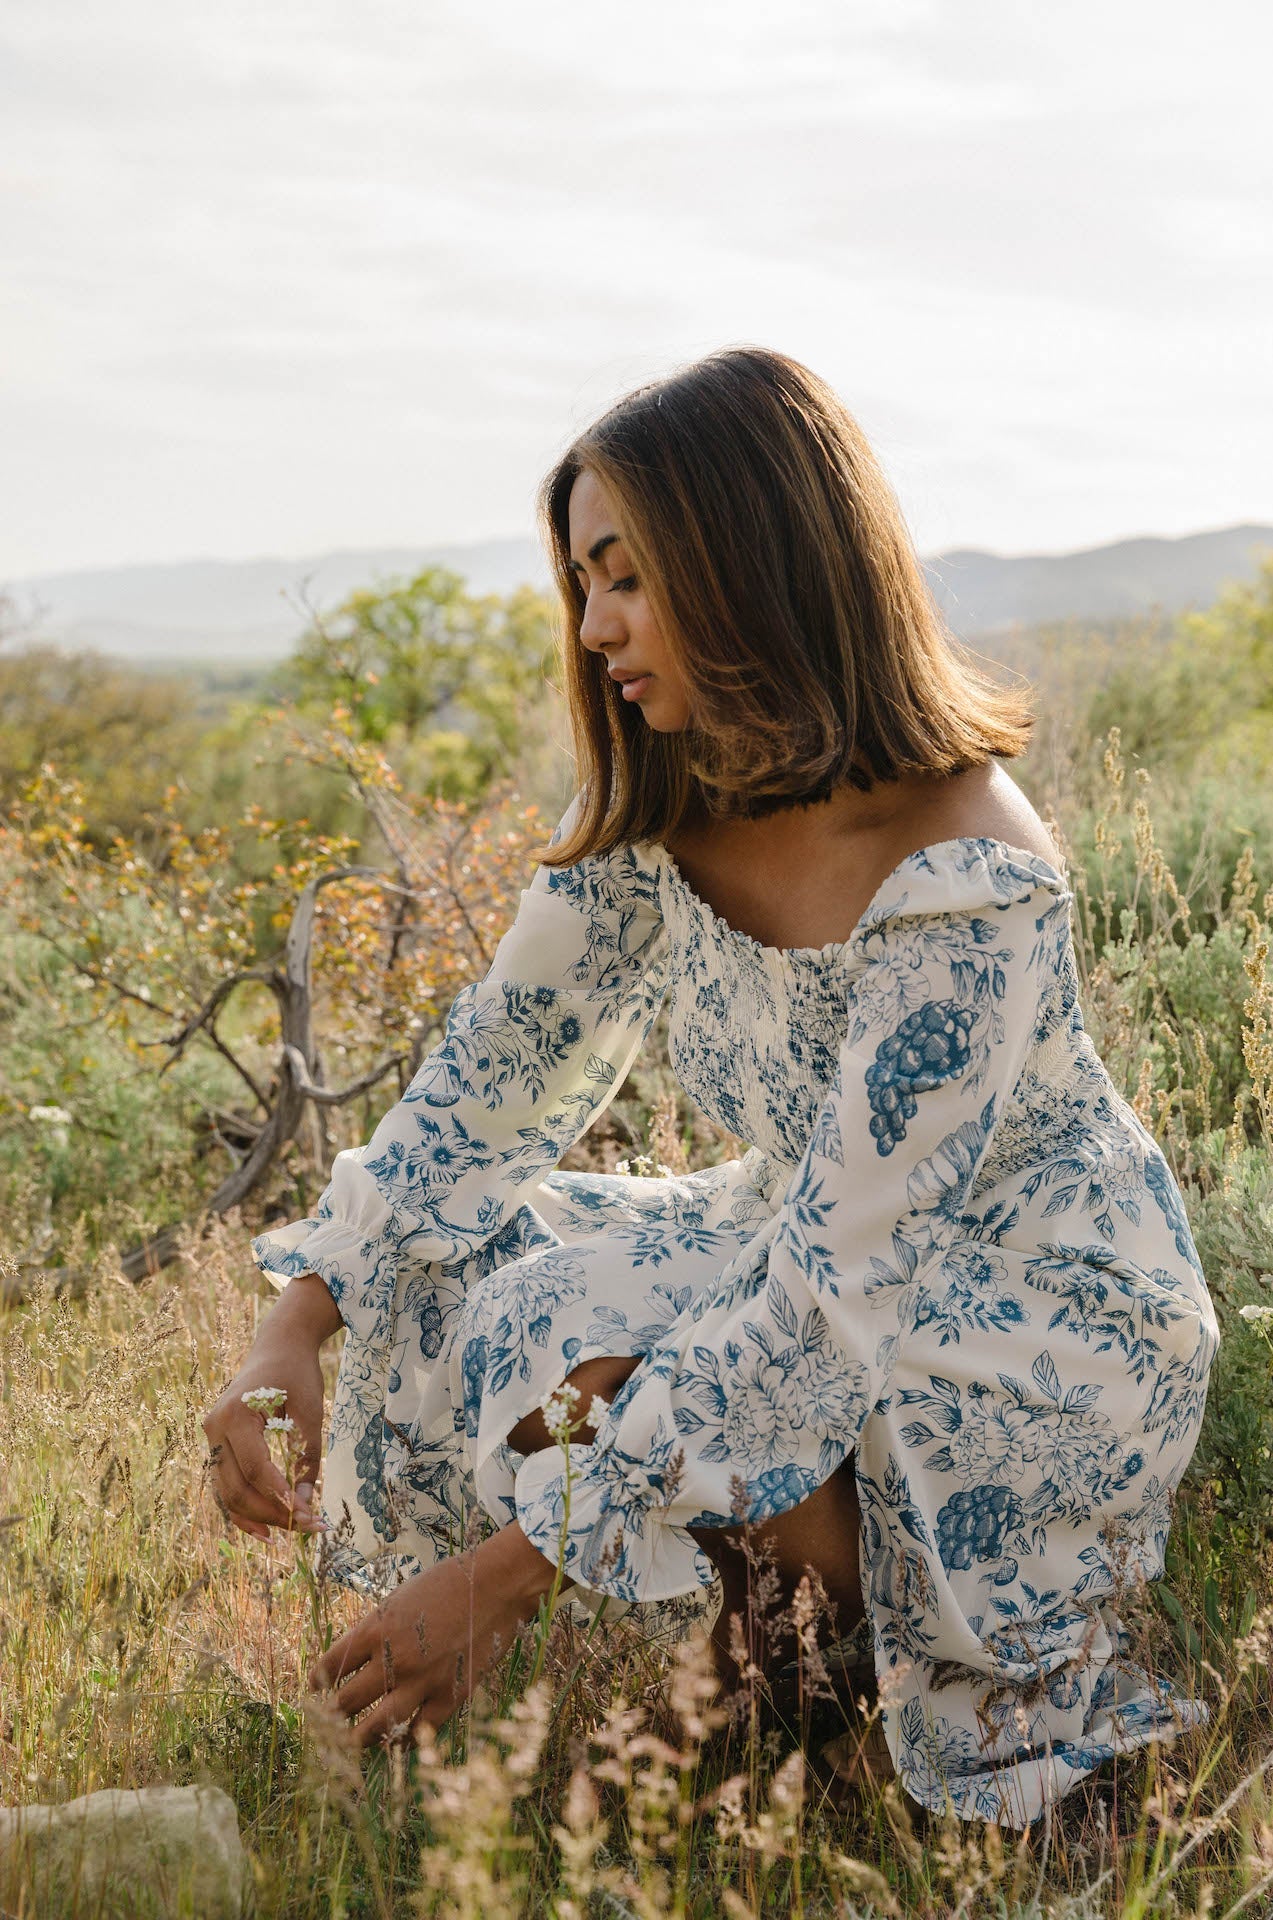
[777, 564]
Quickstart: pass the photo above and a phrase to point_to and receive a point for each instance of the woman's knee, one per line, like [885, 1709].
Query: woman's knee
[820, 1534]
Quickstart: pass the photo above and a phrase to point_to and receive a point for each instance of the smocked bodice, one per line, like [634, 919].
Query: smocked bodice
[755, 1031]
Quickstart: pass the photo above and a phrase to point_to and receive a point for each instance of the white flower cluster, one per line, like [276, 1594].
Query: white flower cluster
[266, 1400]
[279, 1423]
[1261, 1317]
[643, 1166]
[560, 1410]
[57, 1120]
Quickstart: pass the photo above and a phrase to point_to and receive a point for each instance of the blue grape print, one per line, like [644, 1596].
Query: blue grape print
[929, 1048]
[974, 1524]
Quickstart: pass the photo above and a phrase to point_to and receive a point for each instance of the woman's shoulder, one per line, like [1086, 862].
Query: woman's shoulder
[963, 844]
[977, 845]
[983, 804]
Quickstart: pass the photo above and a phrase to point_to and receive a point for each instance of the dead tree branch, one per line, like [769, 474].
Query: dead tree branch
[295, 1087]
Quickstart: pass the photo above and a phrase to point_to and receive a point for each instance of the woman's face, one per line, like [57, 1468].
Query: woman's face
[617, 621]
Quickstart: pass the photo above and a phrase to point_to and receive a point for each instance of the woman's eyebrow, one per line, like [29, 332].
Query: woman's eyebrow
[595, 551]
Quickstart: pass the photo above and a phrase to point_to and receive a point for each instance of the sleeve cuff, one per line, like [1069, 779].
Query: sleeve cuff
[619, 1540]
[346, 1243]
[350, 1266]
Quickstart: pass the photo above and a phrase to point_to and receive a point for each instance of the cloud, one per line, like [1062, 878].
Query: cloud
[324, 273]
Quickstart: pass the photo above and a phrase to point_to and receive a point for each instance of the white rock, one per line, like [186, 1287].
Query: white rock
[155, 1853]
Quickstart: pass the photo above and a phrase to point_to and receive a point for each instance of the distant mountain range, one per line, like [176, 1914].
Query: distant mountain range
[240, 611]
[237, 611]
[988, 593]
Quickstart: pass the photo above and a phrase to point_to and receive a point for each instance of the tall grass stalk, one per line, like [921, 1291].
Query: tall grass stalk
[140, 1642]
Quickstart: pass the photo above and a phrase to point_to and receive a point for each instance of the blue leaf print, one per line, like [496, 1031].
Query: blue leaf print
[877, 1279]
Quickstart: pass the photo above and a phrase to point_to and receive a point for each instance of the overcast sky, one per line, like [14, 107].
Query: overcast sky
[280, 276]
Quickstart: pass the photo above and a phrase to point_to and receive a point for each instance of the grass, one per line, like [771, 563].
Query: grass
[139, 1643]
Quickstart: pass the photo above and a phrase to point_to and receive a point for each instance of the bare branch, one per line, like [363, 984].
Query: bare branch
[205, 1020]
[295, 1089]
[243, 1073]
[337, 1096]
[103, 979]
[212, 1005]
[459, 902]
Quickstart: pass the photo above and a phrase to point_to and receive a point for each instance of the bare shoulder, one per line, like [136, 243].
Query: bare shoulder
[988, 804]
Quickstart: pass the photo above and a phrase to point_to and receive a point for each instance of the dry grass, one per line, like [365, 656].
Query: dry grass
[141, 1643]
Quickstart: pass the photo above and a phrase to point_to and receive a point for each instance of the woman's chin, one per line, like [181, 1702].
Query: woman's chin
[661, 718]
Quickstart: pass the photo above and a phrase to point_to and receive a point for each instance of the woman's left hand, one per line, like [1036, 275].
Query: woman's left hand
[419, 1655]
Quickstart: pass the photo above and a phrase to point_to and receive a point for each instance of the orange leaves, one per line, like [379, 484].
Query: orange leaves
[174, 936]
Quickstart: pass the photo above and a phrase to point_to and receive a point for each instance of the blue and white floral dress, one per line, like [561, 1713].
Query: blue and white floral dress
[951, 1250]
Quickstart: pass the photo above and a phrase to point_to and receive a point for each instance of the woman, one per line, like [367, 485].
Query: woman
[940, 1333]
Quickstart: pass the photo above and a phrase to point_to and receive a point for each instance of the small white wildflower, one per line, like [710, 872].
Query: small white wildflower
[265, 1399]
[597, 1411]
[57, 1120]
[644, 1166]
[1257, 1316]
[279, 1423]
[558, 1408]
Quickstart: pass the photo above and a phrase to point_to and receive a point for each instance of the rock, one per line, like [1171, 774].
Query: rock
[156, 1853]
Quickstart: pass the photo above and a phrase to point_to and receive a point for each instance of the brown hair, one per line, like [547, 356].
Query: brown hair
[777, 564]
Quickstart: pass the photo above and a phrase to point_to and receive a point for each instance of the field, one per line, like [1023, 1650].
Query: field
[149, 874]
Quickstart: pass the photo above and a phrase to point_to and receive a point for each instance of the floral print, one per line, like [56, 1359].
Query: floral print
[950, 1251]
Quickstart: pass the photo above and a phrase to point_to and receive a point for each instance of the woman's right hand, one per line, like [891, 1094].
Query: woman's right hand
[247, 1484]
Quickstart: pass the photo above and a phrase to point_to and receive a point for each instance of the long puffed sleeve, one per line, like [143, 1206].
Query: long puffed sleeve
[531, 1054]
[764, 1386]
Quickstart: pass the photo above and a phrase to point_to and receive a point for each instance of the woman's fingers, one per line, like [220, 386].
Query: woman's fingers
[357, 1669]
[359, 1672]
[248, 1486]
[416, 1656]
[371, 1683]
[346, 1655]
[236, 1500]
[395, 1717]
[252, 1458]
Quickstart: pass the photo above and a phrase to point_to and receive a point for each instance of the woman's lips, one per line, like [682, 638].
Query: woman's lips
[633, 689]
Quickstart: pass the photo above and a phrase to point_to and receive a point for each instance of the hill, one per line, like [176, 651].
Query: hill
[987, 593]
[226, 611]
[198, 611]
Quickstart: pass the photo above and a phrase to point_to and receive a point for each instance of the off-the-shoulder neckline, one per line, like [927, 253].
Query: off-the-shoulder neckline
[835, 949]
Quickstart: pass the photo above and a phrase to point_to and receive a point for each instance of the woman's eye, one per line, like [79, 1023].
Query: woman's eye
[624, 586]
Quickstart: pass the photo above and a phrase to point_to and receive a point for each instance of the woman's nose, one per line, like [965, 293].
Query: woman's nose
[598, 629]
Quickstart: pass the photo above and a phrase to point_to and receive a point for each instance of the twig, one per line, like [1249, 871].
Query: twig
[337, 1096]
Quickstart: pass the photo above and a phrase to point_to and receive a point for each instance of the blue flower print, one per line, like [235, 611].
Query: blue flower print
[474, 1365]
[975, 1523]
[946, 1253]
[971, 1294]
[1167, 1194]
[778, 1488]
[929, 1048]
